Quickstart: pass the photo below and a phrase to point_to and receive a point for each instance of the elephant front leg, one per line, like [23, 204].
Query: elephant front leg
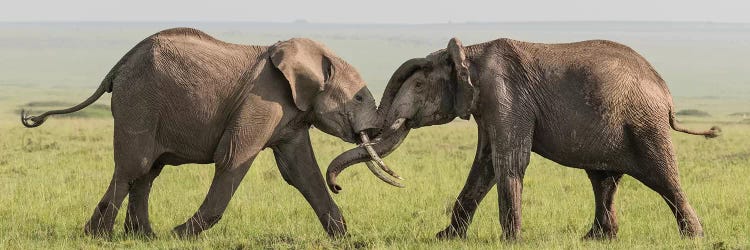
[225, 183]
[297, 164]
[509, 200]
[510, 157]
[234, 155]
[244, 137]
[481, 179]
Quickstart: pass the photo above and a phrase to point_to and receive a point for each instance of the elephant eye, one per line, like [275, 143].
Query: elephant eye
[358, 98]
[419, 85]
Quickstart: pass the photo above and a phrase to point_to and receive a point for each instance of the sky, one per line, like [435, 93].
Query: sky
[375, 11]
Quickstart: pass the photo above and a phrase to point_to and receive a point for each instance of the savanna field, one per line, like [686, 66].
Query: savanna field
[52, 177]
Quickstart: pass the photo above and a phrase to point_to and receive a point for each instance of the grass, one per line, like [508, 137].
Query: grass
[51, 178]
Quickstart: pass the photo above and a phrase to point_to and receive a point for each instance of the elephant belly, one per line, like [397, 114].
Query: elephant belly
[583, 141]
[186, 127]
[183, 134]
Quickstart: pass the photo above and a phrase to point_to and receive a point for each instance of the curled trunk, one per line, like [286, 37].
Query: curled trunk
[359, 155]
[391, 136]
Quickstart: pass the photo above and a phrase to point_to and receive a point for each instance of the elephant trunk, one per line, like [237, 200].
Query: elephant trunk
[381, 147]
[393, 132]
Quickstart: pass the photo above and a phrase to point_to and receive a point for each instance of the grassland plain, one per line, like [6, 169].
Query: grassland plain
[51, 177]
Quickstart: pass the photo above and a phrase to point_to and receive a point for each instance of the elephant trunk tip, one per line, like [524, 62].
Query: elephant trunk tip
[331, 181]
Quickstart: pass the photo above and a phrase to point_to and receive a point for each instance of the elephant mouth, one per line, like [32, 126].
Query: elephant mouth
[410, 124]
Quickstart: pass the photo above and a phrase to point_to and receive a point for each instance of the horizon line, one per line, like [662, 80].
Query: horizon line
[303, 22]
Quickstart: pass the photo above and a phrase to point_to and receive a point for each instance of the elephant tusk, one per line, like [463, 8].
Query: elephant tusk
[395, 126]
[376, 158]
[398, 123]
[381, 176]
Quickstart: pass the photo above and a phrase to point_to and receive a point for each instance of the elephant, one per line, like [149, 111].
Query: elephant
[181, 96]
[594, 105]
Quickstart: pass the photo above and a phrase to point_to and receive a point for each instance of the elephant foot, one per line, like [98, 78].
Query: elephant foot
[335, 228]
[139, 230]
[601, 234]
[691, 232]
[97, 229]
[512, 237]
[194, 226]
[187, 230]
[102, 221]
[450, 233]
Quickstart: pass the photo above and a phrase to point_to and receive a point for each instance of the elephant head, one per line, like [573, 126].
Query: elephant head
[421, 92]
[328, 88]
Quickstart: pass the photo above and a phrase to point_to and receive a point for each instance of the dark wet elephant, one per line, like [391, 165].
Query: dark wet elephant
[594, 105]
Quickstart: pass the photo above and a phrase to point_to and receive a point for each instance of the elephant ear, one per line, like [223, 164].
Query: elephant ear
[466, 93]
[305, 66]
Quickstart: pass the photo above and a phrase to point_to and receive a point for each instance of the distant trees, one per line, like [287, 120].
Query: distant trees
[692, 112]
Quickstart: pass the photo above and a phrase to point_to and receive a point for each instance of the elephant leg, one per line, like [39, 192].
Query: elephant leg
[511, 151]
[136, 219]
[133, 159]
[234, 155]
[481, 179]
[225, 182]
[297, 164]
[103, 219]
[509, 189]
[604, 184]
[658, 170]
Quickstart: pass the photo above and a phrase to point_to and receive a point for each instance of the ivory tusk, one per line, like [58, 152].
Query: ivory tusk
[381, 176]
[398, 123]
[375, 157]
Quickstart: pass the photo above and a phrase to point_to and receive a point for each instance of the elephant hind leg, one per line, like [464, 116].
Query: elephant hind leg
[604, 184]
[137, 217]
[133, 159]
[657, 169]
[103, 218]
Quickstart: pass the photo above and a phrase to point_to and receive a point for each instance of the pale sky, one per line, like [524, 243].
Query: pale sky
[376, 11]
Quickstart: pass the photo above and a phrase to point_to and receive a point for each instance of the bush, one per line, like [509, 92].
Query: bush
[692, 112]
[740, 114]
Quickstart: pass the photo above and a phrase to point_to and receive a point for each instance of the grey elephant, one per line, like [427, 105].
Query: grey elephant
[180, 96]
[594, 105]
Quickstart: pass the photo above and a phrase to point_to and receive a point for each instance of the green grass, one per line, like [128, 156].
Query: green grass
[52, 177]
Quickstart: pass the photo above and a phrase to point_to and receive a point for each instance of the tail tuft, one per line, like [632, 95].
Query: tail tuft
[714, 132]
[35, 120]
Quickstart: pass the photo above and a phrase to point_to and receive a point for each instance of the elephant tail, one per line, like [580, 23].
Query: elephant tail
[35, 121]
[105, 86]
[711, 133]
